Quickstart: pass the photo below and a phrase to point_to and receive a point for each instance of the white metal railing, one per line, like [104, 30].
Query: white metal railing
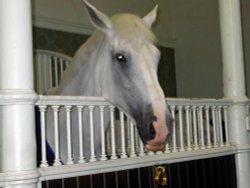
[49, 67]
[125, 144]
[200, 125]
[200, 130]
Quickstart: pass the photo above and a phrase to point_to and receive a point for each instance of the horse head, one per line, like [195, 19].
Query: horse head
[127, 76]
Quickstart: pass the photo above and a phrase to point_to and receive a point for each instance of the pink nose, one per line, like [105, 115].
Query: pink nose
[161, 134]
[158, 142]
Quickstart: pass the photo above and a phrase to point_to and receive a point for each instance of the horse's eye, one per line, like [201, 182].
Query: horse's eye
[120, 58]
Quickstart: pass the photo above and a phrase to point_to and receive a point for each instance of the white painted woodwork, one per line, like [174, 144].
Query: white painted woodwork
[17, 134]
[234, 86]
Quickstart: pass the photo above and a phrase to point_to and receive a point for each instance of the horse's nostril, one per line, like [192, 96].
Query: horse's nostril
[154, 118]
[152, 131]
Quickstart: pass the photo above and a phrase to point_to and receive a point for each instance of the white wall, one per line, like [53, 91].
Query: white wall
[70, 16]
[197, 48]
[191, 27]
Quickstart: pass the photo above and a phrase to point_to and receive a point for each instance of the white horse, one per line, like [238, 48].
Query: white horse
[119, 62]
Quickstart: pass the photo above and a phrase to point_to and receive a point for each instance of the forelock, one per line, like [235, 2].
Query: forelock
[132, 28]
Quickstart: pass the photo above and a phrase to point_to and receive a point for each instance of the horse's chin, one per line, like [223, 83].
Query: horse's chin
[155, 147]
[155, 144]
[161, 136]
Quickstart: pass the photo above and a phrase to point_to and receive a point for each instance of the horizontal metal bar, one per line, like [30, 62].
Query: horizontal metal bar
[75, 170]
[52, 53]
[86, 100]
[71, 100]
[198, 102]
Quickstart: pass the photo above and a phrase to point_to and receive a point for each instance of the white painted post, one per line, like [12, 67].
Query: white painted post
[103, 156]
[209, 145]
[187, 112]
[56, 137]
[201, 128]
[17, 96]
[69, 136]
[195, 137]
[180, 136]
[80, 135]
[92, 137]
[174, 149]
[44, 162]
[234, 86]
[132, 139]
[215, 144]
[112, 129]
[123, 143]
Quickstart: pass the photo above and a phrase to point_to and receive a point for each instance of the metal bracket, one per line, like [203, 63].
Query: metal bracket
[160, 176]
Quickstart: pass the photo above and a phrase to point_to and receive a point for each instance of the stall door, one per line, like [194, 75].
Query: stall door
[216, 172]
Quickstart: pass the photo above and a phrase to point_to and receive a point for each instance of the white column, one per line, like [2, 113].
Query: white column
[234, 85]
[17, 97]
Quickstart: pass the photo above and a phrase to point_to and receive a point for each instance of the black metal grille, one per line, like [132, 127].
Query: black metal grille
[216, 172]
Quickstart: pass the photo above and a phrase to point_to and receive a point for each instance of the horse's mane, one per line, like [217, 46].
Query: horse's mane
[132, 28]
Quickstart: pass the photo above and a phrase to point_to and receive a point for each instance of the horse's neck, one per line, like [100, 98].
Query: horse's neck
[79, 78]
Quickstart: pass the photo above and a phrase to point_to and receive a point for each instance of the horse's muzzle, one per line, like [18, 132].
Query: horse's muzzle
[154, 126]
[160, 134]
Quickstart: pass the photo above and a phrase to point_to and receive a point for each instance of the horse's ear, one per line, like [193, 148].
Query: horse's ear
[98, 19]
[151, 17]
